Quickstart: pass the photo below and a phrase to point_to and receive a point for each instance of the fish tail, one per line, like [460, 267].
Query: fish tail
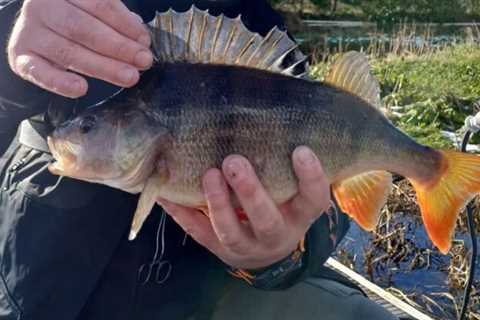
[443, 197]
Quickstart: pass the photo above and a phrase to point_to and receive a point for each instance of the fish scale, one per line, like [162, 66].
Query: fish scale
[218, 89]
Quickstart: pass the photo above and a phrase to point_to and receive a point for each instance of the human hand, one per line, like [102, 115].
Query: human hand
[272, 232]
[97, 38]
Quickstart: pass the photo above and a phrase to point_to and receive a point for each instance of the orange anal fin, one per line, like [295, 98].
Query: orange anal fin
[363, 196]
[442, 200]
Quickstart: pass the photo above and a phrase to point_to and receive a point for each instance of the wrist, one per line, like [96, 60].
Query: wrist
[278, 275]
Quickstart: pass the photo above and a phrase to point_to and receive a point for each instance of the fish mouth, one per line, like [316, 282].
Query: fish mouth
[65, 155]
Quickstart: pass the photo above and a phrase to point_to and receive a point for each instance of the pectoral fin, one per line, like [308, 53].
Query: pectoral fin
[147, 201]
[363, 196]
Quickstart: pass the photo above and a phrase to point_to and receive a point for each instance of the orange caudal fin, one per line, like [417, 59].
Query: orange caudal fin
[442, 200]
[363, 196]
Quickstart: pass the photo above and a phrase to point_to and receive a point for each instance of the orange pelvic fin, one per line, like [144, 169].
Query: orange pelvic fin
[442, 200]
[363, 196]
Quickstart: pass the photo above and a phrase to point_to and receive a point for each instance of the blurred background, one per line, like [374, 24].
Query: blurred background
[426, 56]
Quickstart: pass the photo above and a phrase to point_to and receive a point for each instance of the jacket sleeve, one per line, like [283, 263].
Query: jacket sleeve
[3, 3]
[320, 242]
[323, 238]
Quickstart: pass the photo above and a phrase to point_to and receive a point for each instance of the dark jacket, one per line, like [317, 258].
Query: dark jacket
[64, 252]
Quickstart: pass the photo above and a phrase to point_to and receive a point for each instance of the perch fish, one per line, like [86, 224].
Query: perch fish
[218, 89]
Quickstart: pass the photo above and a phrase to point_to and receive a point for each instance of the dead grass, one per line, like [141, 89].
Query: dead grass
[406, 40]
[394, 248]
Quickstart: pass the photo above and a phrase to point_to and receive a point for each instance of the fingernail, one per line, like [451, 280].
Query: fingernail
[78, 87]
[305, 156]
[145, 40]
[212, 182]
[138, 17]
[235, 168]
[128, 75]
[144, 59]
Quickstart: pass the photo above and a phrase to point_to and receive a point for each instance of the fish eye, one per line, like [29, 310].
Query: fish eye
[87, 123]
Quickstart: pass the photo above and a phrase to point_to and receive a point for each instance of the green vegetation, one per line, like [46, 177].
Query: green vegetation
[385, 11]
[430, 93]
[425, 93]
[391, 11]
[430, 82]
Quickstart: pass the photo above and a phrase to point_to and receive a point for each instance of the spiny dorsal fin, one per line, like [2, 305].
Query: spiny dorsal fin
[195, 36]
[363, 196]
[352, 73]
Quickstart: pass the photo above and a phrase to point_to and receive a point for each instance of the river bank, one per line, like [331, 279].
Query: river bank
[428, 96]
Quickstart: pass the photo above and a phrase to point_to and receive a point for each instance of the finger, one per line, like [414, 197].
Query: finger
[225, 222]
[266, 220]
[79, 59]
[313, 196]
[84, 29]
[195, 224]
[37, 70]
[115, 14]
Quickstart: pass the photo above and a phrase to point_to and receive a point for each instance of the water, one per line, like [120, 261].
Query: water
[425, 281]
[356, 35]
[420, 283]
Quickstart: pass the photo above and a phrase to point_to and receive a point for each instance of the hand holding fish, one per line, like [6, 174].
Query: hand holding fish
[98, 38]
[272, 232]
[188, 113]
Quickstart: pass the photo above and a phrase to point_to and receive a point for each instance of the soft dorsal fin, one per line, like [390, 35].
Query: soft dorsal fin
[363, 196]
[352, 73]
[195, 36]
